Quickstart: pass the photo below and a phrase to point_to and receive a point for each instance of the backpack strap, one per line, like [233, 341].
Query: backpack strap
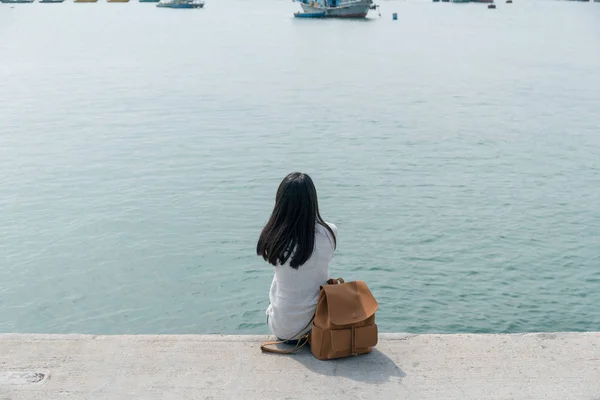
[301, 342]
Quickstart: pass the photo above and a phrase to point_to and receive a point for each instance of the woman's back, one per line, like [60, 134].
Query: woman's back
[294, 292]
[299, 244]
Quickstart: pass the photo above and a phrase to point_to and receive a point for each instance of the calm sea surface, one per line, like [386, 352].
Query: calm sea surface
[457, 149]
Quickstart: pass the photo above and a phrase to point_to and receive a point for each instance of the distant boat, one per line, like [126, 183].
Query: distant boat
[51, 1]
[338, 8]
[85, 1]
[482, 1]
[310, 15]
[180, 4]
[17, 1]
[118, 1]
[461, 1]
[149, 1]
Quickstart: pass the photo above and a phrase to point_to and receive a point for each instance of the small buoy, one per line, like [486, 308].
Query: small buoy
[491, 5]
[395, 16]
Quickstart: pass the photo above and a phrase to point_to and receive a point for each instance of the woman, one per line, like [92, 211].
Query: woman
[300, 245]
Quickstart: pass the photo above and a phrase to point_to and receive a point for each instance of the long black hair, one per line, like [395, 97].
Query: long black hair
[290, 231]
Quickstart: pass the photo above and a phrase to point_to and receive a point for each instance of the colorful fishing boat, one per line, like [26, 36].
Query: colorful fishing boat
[337, 8]
[180, 3]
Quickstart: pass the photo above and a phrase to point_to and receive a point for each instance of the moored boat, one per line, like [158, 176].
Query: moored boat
[118, 1]
[309, 15]
[338, 8]
[149, 1]
[85, 1]
[51, 1]
[17, 1]
[482, 1]
[461, 1]
[180, 4]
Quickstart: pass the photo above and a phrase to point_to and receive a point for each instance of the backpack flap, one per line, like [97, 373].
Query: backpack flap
[350, 302]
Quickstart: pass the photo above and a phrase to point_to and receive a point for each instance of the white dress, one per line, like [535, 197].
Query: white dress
[294, 292]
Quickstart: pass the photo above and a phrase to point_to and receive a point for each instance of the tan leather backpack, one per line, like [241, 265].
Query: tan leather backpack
[344, 322]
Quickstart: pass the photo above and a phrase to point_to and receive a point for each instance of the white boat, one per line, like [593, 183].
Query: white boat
[338, 8]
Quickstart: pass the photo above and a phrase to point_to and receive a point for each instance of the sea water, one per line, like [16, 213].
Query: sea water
[457, 149]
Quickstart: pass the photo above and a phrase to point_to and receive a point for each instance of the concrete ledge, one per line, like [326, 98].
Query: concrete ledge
[520, 366]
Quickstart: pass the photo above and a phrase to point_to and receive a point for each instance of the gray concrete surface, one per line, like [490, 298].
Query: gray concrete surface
[521, 366]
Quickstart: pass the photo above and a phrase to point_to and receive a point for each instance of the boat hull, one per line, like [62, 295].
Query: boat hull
[180, 5]
[356, 9]
[310, 15]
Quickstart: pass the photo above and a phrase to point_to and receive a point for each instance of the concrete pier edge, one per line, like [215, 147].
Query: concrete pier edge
[407, 366]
